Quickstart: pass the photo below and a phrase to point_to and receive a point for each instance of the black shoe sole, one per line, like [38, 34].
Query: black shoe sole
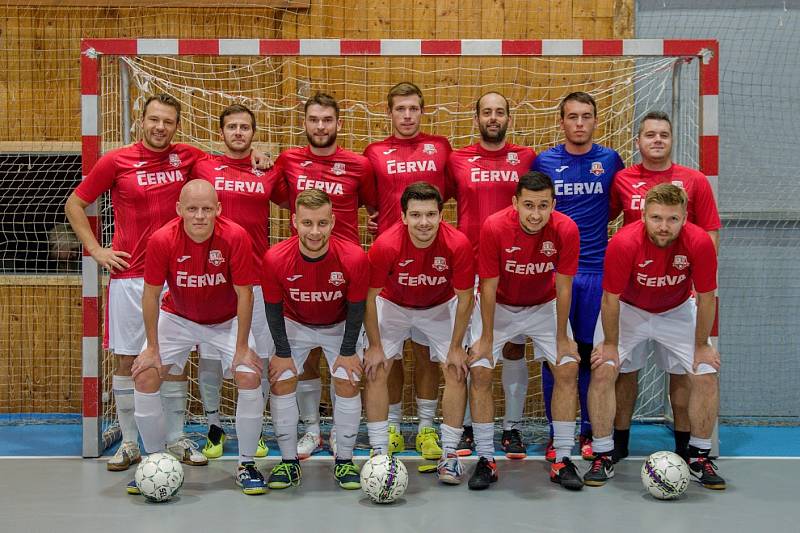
[576, 485]
[482, 486]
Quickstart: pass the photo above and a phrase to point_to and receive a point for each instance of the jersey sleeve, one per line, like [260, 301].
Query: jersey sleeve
[570, 249]
[241, 258]
[379, 264]
[448, 192]
[463, 268]
[367, 194]
[489, 256]
[280, 193]
[156, 260]
[270, 279]
[704, 273]
[615, 199]
[358, 269]
[705, 206]
[617, 266]
[99, 180]
[450, 181]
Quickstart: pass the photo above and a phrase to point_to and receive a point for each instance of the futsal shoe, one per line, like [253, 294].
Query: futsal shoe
[214, 442]
[565, 474]
[132, 489]
[262, 450]
[550, 452]
[512, 444]
[428, 444]
[705, 472]
[308, 445]
[484, 475]
[347, 474]
[602, 470]
[586, 448]
[467, 443]
[127, 454]
[397, 443]
[187, 451]
[250, 479]
[285, 474]
[450, 470]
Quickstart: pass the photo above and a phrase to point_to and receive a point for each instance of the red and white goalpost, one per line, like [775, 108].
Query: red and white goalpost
[452, 73]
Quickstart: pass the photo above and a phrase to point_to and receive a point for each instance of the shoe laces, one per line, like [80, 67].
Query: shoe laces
[251, 470]
[344, 469]
[186, 443]
[282, 468]
[599, 463]
[309, 437]
[707, 465]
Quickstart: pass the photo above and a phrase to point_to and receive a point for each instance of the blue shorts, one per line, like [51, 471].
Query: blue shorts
[587, 294]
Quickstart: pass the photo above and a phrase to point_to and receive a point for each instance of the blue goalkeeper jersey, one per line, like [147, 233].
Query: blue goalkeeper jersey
[583, 187]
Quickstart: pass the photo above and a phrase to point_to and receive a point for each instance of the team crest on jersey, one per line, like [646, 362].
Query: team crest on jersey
[680, 262]
[678, 183]
[512, 158]
[548, 248]
[174, 160]
[597, 168]
[337, 278]
[439, 264]
[429, 148]
[257, 172]
[215, 258]
[338, 169]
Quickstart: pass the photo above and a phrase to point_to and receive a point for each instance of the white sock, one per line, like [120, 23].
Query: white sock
[209, 377]
[378, 436]
[249, 410]
[515, 387]
[450, 438]
[700, 444]
[285, 417]
[396, 414]
[563, 438]
[149, 415]
[604, 445]
[426, 410]
[173, 398]
[308, 397]
[123, 396]
[347, 416]
[484, 439]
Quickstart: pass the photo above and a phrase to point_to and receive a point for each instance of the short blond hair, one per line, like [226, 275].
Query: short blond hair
[666, 194]
[312, 199]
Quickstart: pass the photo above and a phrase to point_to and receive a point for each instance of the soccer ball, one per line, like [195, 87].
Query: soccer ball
[384, 478]
[159, 476]
[665, 475]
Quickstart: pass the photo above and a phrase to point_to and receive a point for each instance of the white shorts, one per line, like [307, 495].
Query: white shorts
[125, 323]
[512, 323]
[397, 323]
[669, 335]
[304, 338]
[259, 328]
[177, 336]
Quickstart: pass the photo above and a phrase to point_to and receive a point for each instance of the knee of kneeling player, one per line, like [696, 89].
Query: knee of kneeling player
[604, 376]
[284, 387]
[703, 382]
[148, 381]
[565, 373]
[480, 378]
[246, 378]
[345, 389]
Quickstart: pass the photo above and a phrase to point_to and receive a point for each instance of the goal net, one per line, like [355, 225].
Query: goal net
[276, 86]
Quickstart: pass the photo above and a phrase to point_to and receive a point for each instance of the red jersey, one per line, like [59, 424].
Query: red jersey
[631, 186]
[144, 185]
[315, 291]
[244, 192]
[421, 277]
[527, 263]
[483, 183]
[397, 163]
[659, 279]
[200, 275]
[345, 176]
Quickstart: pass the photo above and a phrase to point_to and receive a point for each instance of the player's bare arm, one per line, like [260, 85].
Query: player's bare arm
[150, 356]
[244, 355]
[703, 351]
[456, 355]
[374, 356]
[113, 260]
[564, 345]
[608, 350]
[482, 349]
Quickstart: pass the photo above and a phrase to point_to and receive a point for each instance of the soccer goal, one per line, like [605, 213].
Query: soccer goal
[274, 78]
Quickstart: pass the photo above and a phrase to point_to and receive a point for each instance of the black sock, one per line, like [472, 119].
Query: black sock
[622, 438]
[682, 443]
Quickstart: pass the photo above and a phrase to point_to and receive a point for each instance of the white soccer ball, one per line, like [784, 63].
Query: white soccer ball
[384, 478]
[665, 475]
[159, 476]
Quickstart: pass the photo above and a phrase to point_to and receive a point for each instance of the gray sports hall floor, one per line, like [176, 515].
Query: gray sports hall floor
[68, 495]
